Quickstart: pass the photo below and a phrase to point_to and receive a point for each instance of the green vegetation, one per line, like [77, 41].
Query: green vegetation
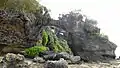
[44, 38]
[65, 45]
[21, 5]
[56, 44]
[34, 51]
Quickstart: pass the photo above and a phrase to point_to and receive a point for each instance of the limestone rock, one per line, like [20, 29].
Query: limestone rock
[39, 60]
[56, 64]
[75, 59]
[11, 60]
[84, 37]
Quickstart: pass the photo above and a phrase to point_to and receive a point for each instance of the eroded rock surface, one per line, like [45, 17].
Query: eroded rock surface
[56, 64]
[84, 38]
[13, 61]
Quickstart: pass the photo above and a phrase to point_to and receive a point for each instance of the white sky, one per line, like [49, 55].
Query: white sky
[106, 12]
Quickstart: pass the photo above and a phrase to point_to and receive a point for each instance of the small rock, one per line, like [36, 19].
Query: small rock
[75, 59]
[39, 60]
[50, 56]
[56, 64]
[64, 55]
[36, 65]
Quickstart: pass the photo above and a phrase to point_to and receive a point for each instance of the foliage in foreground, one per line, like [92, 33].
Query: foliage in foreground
[35, 51]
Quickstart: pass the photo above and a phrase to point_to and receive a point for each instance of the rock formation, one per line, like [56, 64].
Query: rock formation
[84, 37]
[19, 29]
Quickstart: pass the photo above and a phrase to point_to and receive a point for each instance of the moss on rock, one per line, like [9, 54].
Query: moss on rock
[44, 38]
[56, 44]
[49, 42]
[35, 51]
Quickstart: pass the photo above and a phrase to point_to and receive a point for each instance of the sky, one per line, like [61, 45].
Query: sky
[106, 12]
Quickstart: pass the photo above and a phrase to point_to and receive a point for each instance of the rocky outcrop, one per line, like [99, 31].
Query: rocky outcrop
[20, 29]
[95, 48]
[84, 38]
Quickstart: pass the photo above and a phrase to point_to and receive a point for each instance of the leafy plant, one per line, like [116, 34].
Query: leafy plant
[34, 51]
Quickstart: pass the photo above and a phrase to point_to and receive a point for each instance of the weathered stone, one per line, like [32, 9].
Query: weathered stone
[36, 65]
[91, 48]
[11, 60]
[56, 64]
[84, 37]
[20, 29]
[50, 56]
[64, 55]
[75, 59]
[39, 60]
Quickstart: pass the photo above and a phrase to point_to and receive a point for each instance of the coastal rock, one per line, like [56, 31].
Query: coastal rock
[84, 37]
[75, 59]
[56, 64]
[11, 60]
[94, 48]
[20, 28]
[39, 60]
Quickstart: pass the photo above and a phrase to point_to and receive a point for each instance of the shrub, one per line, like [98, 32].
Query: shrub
[34, 51]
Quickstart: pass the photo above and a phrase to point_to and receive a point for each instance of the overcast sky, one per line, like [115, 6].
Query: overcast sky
[106, 12]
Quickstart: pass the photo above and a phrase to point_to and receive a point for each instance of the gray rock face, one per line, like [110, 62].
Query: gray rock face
[21, 29]
[95, 48]
[84, 38]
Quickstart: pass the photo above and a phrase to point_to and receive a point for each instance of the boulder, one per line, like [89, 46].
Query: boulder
[39, 60]
[56, 64]
[11, 60]
[75, 59]
[50, 56]
[64, 55]
[57, 56]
